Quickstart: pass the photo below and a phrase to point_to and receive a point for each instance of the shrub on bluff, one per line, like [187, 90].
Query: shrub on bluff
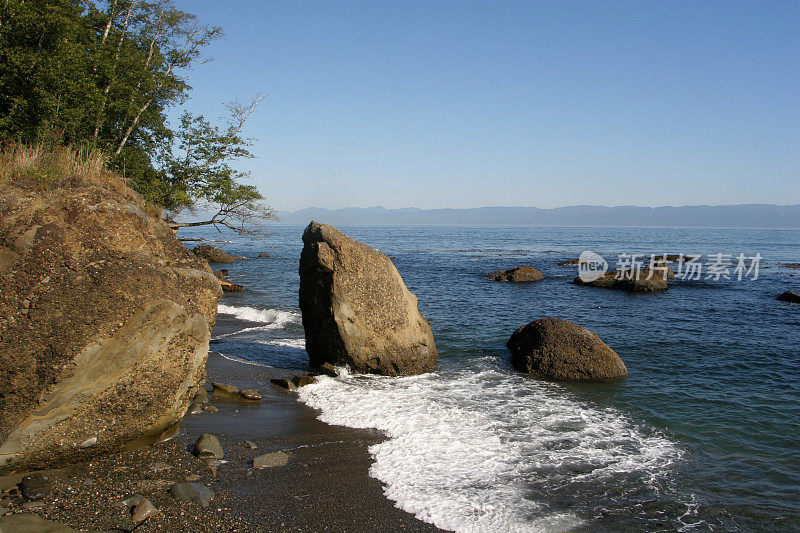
[357, 310]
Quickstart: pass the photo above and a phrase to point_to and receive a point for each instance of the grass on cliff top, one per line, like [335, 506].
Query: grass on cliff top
[40, 168]
[44, 168]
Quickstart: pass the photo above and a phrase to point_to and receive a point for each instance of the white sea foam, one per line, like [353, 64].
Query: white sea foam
[287, 343]
[273, 318]
[464, 449]
[240, 360]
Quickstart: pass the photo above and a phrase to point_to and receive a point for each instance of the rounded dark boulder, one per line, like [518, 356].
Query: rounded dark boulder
[789, 296]
[516, 275]
[557, 349]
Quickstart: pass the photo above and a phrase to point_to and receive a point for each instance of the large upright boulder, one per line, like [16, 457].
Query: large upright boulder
[357, 310]
[104, 322]
[557, 349]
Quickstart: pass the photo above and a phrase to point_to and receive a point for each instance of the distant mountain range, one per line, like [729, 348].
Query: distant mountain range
[696, 216]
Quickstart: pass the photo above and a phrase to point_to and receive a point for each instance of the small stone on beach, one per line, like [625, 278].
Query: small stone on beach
[193, 492]
[302, 381]
[144, 510]
[208, 447]
[269, 460]
[35, 486]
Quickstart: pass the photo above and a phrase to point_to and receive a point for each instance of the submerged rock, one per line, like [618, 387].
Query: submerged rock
[789, 296]
[516, 275]
[644, 282]
[193, 492]
[357, 310]
[104, 323]
[212, 254]
[302, 381]
[283, 383]
[264, 254]
[556, 349]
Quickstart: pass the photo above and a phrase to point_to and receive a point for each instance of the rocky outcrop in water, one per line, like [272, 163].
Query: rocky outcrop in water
[357, 310]
[104, 323]
[789, 296]
[212, 254]
[518, 274]
[557, 349]
[644, 282]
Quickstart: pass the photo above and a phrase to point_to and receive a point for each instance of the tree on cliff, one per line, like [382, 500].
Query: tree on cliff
[103, 75]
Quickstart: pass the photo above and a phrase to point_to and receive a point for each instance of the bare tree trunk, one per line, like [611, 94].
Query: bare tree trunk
[99, 120]
[111, 17]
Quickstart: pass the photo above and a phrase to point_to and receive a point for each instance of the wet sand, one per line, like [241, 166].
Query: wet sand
[325, 486]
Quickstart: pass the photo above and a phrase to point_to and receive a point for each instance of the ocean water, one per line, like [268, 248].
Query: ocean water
[703, 435]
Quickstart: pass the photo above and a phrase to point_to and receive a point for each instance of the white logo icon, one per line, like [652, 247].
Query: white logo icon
[591, 266]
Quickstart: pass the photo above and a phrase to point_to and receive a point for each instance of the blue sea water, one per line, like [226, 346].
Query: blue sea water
[703, 435]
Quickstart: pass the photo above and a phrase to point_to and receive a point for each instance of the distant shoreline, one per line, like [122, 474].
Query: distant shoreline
[746, 216]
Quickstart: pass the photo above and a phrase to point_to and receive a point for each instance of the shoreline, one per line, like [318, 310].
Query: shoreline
[324, 486]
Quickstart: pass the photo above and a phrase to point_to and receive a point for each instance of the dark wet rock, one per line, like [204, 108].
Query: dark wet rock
[212, 254]
[357, 310]
[644, 282]
[250, 444]
[144, 510]
[569, 262]
[31, 523]
[195, 409]
[518, 274]
[193, 492]
[302, 381]
[35, 486]
[208, 447]
[327, 369]
[789, 296]
[250, 394]
[224, 389]
[556, 349]
[794, 266]
[269, 460]
[210, 409]
[222, 273]
[264, 254]
[283, 383]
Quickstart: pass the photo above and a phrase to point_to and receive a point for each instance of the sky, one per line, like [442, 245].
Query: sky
[546, 104]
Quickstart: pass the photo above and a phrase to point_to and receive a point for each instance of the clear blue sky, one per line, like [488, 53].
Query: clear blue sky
[467, 104]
